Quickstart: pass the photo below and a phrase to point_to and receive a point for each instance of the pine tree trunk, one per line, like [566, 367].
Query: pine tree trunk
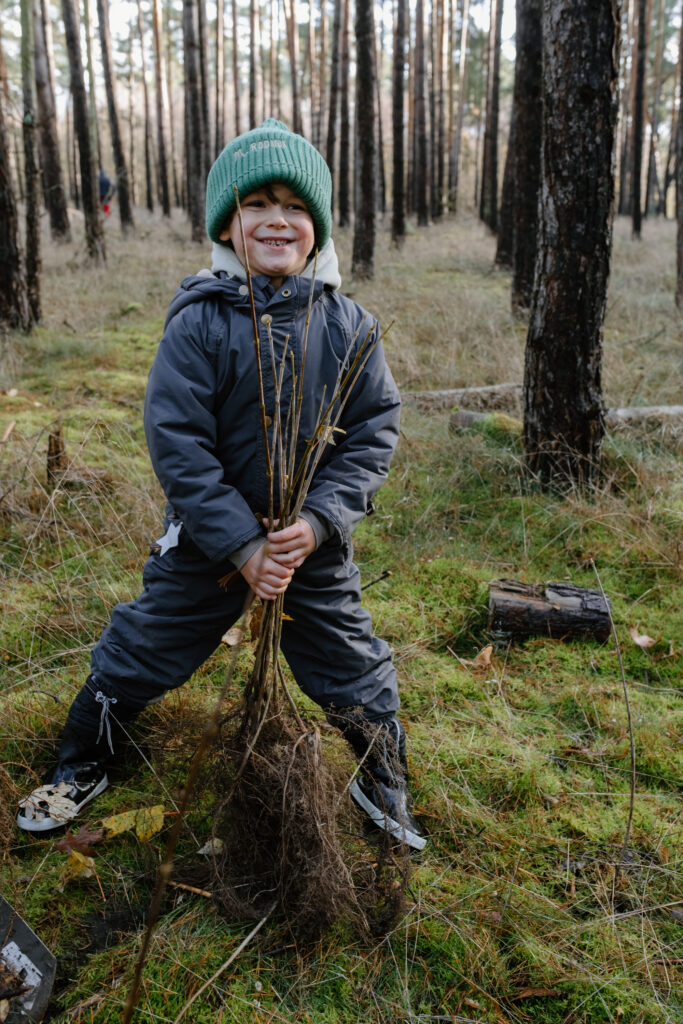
[196, 179]
[625, 126]
[679, 176]
[148, 123]
[125, 211]
[398, 222]
[454, 175]
[488, 199]
[330, 149]
[528, 103]
[131, 118]
[380, 172]
[322, 71]
[252, 63]
[31, 168]
[638, 111]
[293, 48]
[345, 125]
[162, 177]
[51, 164]
[95, 142]
[236, 68]
[505, 242]
[220, 78]
[89, 187]
[171, 113]
[564, 419]
[654, 114]
[14, 307]
[202, 41]
[363, 259]
[438, 120]
[421, 144]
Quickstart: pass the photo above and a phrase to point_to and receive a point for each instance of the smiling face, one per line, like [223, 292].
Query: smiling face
[278, 231]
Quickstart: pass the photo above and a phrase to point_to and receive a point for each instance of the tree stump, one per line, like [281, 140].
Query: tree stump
[559, 610]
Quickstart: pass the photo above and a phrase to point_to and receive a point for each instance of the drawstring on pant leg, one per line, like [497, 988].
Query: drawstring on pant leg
[106, 702]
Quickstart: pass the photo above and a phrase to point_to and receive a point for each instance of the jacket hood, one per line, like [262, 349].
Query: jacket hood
[326, 271]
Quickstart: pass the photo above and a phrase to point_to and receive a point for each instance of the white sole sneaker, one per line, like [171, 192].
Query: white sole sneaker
[52, 806]
[383, 821]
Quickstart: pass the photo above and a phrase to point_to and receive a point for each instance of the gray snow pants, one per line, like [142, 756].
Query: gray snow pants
[155, 643]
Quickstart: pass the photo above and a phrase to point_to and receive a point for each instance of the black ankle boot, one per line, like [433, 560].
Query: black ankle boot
[381, 787]
[87, 743]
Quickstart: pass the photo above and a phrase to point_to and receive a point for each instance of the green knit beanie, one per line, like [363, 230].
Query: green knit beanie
[269, 153]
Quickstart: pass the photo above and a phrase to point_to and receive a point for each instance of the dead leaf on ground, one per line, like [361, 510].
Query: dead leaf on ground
[480, 663]
[233, 637]
[640, 638]
[145, 821]
[77, 866]
[83, 840]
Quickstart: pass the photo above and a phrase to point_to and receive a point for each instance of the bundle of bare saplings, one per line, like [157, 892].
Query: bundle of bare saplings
[285, 835]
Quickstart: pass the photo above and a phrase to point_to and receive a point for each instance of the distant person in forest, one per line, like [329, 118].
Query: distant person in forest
[107, 189]
[203, 426]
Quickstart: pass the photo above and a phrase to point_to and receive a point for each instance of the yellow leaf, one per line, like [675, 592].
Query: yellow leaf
[77, 866]
[146, 821]
[286, 618]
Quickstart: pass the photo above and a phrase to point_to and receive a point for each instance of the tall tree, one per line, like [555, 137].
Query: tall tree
[454, 156]
[628, 62]
[253, 46]
[654, 110]
[335, 81]
[505, 242]
[196, 178]
[51, 164]
[162, 166]
[125, 210]
[679, 176]
[93, 122]
[31, 170]
[131, 115]
[563, 416]
[89, 187]
[438, 109]
[421, 177]
[345, 125]
[398, 221]
[171, 108]
[148, 121]
[363, 259]
[14, 308]
[292, 30]
[220, 139]
[488, 198]
[638, 112]
[237, 91]
[528, 105]
[322, 71]
[202, 42]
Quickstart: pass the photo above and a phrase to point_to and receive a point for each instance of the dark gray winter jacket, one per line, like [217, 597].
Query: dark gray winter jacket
[202, 417]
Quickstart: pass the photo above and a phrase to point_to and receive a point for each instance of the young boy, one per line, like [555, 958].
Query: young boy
[203, 427]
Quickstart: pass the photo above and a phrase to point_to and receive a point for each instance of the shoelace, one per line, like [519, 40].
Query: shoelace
[106, 702]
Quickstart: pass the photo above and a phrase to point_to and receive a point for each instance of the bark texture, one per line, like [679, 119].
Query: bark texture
[638, 111]
[14, 311]
[488, 198]
[51, 164]
[528, 106]
[564, 420]
[31, 170]
[345, 126]
[679, 180]
[421, 181]
[193, 125]
[94, 235]
[398, 221]
[121, 171]
[362, 264]
[162, 176]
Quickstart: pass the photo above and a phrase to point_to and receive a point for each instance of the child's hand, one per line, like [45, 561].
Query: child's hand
[266, 577]
[291, 546]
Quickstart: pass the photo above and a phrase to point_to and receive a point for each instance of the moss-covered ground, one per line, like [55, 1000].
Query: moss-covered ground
[531, 901]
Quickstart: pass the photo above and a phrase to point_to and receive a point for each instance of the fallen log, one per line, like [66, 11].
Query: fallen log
[643, 417]
[504, 397]
[559, 610]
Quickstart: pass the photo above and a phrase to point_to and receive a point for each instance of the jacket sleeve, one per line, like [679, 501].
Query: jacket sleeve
[356, 466]
[181, 430]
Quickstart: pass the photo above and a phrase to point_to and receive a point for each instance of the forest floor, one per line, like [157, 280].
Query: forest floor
[532, 901]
